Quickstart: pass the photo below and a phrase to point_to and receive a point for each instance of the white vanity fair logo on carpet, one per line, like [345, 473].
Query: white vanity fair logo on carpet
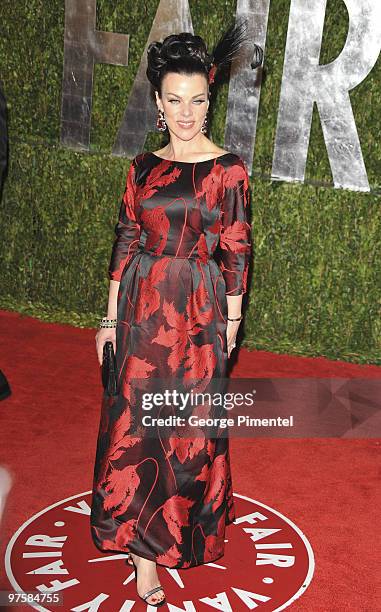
[268, 564]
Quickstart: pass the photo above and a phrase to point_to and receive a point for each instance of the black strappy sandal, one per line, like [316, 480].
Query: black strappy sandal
[130, 561]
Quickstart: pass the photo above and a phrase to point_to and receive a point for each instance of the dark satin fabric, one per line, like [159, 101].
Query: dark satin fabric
[183, 242]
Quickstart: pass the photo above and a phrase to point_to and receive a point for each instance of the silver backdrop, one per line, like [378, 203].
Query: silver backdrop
[304, 82]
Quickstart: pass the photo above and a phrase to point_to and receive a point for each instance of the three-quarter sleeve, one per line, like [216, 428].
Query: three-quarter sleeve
[235, 233]
[127, 229]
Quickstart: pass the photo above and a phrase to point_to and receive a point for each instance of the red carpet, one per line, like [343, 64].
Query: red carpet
[327, 488]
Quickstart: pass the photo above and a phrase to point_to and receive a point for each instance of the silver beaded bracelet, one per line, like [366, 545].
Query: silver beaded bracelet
[105, 322]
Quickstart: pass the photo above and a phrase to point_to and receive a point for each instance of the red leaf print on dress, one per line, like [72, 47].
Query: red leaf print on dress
[201, 361]
[120, 440]
[122, 485]
[203, 475]
[176, 514]
[149, 296]
[166, 338]
[215, 229]
[157, 225]
[196, 301]
[211, 186]
[233, 175]
[126, 532]
[110, 545]
[213, 543]
[149, 300]
[170, 558]
[202, 249]
[217, 479]
[186, 448]
[136, 368]
[129, 194]
[210, 448]
[176, 338]
[182, 328]
[157, 179]
[231, 237]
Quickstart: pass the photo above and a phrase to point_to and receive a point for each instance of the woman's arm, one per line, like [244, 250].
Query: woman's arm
[127, 229]
[234, 305]
[125, 245]
[112, 299]
[235, 243]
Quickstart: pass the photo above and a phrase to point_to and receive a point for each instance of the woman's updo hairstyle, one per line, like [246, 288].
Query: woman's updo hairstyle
[186, 53]
[182, 53]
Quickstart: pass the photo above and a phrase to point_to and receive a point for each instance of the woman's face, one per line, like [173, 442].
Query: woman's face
[184, 102]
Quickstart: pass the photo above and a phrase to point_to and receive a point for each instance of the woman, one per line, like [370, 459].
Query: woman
[173, 313]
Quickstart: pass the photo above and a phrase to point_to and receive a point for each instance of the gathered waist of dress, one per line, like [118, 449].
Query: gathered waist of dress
[192, 255]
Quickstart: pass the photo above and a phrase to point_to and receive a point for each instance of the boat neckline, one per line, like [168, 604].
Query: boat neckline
[203, 161]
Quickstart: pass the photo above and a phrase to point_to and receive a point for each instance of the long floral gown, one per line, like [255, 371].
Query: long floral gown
[169, 500]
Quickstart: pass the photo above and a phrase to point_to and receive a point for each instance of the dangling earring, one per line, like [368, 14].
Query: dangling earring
[204, 127]
[160, 122]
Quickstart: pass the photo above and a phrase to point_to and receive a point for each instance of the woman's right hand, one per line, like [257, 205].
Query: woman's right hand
[102, 336]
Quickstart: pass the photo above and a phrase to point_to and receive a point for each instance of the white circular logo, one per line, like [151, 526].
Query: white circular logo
[268, 564]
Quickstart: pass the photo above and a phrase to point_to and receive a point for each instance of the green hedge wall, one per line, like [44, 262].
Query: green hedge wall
[315, 278]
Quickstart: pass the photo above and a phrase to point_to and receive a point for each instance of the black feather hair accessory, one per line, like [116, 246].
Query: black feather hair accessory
[228, 47]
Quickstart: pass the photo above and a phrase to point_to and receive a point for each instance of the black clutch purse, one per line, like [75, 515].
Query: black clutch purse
[109, 374]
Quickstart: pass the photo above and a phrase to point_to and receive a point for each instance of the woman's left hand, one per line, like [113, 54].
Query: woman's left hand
[231, 334]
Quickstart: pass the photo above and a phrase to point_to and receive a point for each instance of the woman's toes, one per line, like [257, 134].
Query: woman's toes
[159, 596]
